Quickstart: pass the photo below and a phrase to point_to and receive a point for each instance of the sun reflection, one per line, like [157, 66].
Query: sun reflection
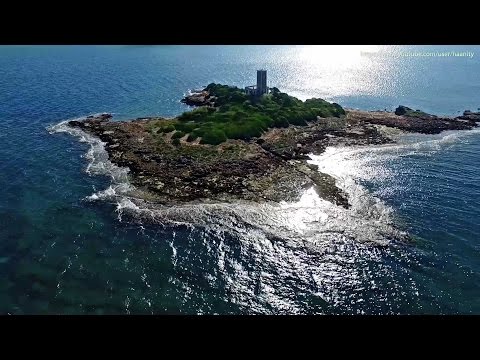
[330, 71]
[310, 208]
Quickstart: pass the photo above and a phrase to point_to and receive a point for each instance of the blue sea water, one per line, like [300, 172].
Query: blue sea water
[71, 242]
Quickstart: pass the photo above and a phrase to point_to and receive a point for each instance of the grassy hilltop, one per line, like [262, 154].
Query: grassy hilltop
[237, 115]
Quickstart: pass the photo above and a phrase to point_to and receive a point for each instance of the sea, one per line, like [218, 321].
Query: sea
[73, 241]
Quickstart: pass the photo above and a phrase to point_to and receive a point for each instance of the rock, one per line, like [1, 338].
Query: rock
[105, 116]
[198, 99]
[406, 111]
[411, 122]
[470, 116]
[75, 123]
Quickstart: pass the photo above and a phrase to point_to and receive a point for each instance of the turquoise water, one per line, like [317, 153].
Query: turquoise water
[72, 242]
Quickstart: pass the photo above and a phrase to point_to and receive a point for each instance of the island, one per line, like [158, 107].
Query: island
[239, 145]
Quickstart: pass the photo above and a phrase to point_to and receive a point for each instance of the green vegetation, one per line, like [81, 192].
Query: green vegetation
[178, 134]
[161, 126]
[168, 128]
[241, 116]
[214, 137]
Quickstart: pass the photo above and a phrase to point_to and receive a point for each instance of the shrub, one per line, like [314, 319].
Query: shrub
[339, 110]
[186, 127]
[324, 112]
[297, 121]
[213, 137]
[176, 142]
[197, 133]
[178, 135]
[280, 122]
[167, 129]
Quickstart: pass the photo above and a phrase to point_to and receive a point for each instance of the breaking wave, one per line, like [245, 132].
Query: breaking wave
[98, 162]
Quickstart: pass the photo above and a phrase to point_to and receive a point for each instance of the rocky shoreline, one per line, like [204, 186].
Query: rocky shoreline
[415, 121]
[272, 167]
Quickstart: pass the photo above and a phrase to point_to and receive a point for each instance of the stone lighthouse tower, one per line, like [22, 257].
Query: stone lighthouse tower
[261, 87]
[262, 82]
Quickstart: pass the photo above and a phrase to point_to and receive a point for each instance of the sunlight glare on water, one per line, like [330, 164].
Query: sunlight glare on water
[339, 70]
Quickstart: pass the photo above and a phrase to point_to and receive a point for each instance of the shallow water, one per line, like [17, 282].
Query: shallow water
[74, 240]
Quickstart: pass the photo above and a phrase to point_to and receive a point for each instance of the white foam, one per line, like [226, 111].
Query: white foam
[98, 162]
[423, 144]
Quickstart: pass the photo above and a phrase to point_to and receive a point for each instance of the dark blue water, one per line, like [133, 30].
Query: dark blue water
[69, 246]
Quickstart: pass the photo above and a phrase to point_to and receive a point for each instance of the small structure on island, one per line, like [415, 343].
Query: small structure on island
[261, 87]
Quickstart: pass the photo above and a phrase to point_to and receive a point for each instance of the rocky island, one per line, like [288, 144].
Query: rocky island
[236, 146]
